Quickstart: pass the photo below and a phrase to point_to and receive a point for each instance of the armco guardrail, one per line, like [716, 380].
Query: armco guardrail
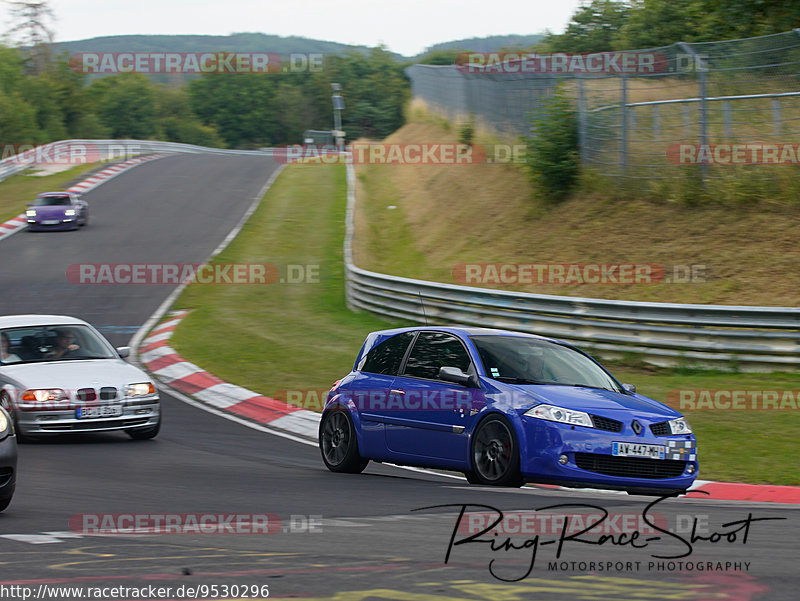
[751, 338]
[101, 150]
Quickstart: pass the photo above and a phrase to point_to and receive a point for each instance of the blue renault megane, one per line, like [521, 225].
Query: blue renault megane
[503, 408]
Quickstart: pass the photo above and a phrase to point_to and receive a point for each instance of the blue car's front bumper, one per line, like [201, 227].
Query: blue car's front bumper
[590, 462]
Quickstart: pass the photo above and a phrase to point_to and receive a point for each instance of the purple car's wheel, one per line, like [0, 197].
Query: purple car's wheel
[495, 456]
[338, 443]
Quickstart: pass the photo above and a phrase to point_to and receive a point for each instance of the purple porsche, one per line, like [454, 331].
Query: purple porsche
[57, 211]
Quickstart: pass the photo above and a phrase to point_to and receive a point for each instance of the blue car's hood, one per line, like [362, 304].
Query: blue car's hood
[592, 400]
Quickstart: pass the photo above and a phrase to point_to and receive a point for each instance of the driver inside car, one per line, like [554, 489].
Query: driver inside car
[65, 344]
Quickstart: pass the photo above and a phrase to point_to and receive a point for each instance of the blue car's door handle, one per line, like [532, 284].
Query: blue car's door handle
[395, 391]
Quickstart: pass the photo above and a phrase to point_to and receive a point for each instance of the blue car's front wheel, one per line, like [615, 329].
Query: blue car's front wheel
[495, 454]
[338, 443]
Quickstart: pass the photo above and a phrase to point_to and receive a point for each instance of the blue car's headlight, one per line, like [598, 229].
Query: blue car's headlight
[679, 426]
[31, 212]
[559, 414]
[69, 212]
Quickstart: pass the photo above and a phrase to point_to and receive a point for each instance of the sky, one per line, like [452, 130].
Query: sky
[406, 27]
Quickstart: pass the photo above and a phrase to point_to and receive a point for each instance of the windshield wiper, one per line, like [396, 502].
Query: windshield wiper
[511, 380]
[588, 386]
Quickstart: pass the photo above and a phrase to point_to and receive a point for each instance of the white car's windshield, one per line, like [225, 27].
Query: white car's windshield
[52, 343]
[521, 360]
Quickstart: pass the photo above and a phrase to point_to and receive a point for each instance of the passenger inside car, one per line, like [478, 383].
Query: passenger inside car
[6, 356]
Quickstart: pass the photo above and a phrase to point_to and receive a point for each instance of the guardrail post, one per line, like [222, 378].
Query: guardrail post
[776, 115]
[726, 118]
[656, 121]
[582, 123]
[701, 68]
[624, 124]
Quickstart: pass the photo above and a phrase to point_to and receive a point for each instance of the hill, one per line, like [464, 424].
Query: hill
[236, 42]
[490, 43]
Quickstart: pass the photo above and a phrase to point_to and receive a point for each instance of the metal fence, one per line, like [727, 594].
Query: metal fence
[705, 104]
[721, 336]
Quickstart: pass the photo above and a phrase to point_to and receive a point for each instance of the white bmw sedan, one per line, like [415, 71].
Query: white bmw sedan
[59, 374]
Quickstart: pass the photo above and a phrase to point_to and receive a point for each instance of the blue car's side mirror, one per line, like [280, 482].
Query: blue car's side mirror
[455, 375]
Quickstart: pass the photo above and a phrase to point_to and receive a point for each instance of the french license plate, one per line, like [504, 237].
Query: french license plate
[51, 222]
[101, 411]
[633, 449]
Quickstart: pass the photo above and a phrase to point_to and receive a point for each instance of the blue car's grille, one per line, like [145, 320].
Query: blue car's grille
[604, 423]
[633, 467]
[661, 429]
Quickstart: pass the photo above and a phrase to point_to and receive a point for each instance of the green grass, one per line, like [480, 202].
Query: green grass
[272, 338]
[302, 337]
[20, 189]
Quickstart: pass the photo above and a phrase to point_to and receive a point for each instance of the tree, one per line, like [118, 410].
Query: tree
[30, 30]
[553, 153]
[126, 105]
[594, 27]
[654, 23]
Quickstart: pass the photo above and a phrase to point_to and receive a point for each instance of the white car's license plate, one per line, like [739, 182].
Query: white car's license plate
[632, 449]
[101, 411]
[51, 222]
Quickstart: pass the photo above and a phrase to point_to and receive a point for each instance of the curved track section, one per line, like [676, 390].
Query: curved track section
[333, 536]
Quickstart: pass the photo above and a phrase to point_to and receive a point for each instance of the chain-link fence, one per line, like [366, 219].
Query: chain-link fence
[644, 113]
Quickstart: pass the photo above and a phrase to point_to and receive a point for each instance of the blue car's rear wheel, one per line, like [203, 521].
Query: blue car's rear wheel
[495, 454]
[338, 443]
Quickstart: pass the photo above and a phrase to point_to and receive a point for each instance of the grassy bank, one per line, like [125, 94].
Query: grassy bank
[281, 336]
[302, 337]
[422, 221]
[20, 189]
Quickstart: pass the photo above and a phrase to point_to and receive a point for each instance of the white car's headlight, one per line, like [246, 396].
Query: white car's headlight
[44, 395]
[3, 424]
[679, 426]
[139, 389]
[559, 414]
[31, 213]
[69, 212]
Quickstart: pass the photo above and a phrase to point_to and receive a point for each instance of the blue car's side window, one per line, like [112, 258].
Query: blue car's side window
[433, 350]
[386, 357]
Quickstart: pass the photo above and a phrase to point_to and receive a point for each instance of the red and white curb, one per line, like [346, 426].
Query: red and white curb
[174, 371]
[15, 224]
[187, 378]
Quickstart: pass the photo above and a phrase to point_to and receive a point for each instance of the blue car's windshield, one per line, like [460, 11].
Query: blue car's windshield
[521, 360]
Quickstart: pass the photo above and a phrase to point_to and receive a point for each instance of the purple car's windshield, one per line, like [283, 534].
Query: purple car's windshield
[521, 360]
[34, 344]
[52, 201]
